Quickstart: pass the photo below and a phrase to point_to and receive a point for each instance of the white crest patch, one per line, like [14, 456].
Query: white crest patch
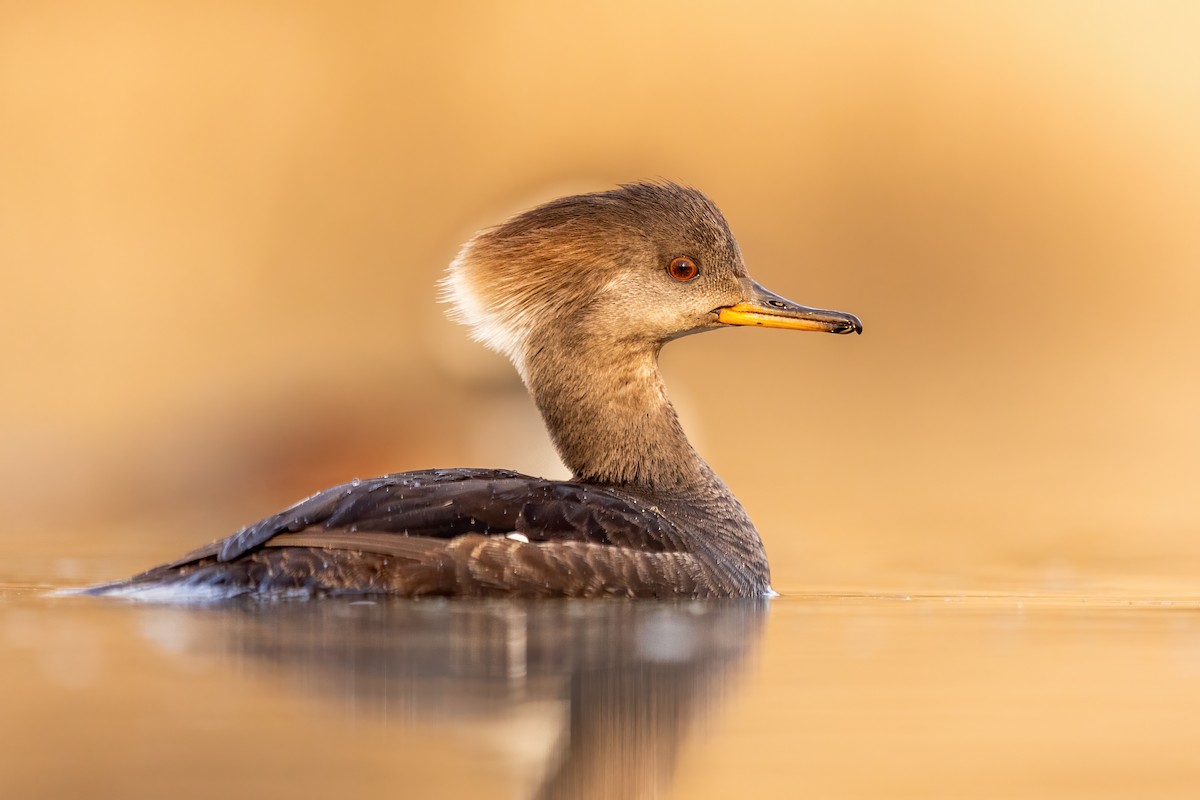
[502, 329]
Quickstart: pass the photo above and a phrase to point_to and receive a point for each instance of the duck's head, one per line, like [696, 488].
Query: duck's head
[630, 268]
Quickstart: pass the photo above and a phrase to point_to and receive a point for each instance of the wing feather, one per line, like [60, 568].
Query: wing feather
[445, 504]
[456, 532]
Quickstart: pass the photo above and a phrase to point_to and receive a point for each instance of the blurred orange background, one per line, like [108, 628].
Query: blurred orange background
[221, 226]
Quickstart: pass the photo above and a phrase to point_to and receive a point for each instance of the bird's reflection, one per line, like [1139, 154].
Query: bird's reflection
[630, 677]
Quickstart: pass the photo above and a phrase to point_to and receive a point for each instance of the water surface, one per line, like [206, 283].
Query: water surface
[822, 695]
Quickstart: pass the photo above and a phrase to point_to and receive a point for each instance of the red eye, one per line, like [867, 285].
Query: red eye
[683, 268]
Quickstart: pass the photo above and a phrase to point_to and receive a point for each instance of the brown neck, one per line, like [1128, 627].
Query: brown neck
[607, 410]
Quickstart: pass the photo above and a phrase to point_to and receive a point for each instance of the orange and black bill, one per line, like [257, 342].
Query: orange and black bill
[769, 310]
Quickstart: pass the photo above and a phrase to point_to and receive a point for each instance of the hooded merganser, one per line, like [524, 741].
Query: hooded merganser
[581, 293]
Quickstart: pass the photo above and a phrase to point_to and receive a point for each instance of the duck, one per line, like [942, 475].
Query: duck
[581, 294]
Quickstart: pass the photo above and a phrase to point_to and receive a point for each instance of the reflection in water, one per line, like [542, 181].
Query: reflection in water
[629, 677]
[854, 696]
